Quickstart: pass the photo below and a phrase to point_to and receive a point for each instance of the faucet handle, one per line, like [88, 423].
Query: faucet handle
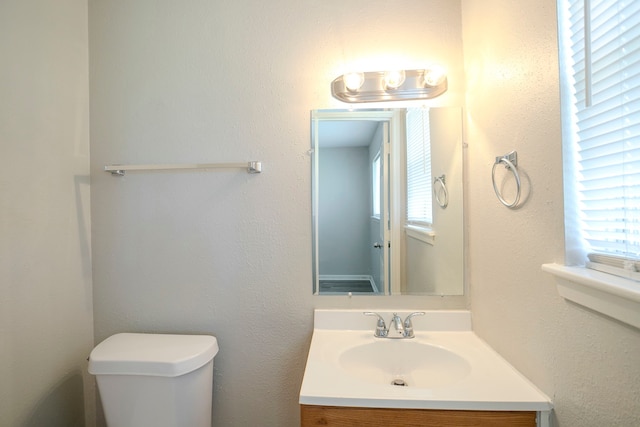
[381, 327]
[408, 325]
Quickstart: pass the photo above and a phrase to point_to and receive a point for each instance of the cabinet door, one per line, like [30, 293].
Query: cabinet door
[333, 416]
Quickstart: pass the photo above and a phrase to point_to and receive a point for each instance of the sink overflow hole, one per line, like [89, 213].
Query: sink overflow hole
[399, 382]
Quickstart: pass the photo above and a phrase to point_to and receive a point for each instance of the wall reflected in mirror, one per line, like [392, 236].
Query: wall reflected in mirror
[387, 201]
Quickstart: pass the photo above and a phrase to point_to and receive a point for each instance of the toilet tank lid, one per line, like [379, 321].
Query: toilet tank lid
[152, 354]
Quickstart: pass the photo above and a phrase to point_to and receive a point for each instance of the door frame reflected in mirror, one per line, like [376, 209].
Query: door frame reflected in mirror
[390, 152]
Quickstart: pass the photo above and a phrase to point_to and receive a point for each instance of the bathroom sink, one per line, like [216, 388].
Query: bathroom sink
[445, 366]
[404, 363]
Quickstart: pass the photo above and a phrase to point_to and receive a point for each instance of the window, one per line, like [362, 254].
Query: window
[600, 82]
[419, 206]
[600, 60]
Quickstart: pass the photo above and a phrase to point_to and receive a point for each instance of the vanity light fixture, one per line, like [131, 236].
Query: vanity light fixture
[396, 85]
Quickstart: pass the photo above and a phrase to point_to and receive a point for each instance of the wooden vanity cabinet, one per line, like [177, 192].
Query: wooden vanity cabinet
[335, 416]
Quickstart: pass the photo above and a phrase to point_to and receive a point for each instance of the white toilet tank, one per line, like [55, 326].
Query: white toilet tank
[155, 380]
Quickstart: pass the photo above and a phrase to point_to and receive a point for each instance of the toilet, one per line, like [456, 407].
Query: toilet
[155, 380]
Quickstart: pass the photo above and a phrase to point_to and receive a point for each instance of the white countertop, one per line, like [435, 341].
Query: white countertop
[491, 384]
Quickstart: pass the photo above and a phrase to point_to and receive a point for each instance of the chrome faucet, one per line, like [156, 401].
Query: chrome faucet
[400, 329]
[396, 321]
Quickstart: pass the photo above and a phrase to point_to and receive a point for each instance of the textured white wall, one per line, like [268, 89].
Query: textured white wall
[586, 363]
[46, 324]
[224, 252]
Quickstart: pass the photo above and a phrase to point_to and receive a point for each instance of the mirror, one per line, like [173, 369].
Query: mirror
[387, 201]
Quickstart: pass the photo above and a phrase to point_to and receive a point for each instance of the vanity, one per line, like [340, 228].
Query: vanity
[443, 376]
[398, 368]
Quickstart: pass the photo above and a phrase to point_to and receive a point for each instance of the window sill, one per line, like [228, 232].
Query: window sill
[613, 296]
[424, 234]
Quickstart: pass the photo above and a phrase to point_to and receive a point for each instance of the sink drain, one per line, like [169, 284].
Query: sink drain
[399, 382]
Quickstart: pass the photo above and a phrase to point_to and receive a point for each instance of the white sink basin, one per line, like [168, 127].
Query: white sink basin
[403, 363]
[446, 366]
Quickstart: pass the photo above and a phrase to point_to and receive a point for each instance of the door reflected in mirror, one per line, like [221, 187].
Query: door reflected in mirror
[387, 202]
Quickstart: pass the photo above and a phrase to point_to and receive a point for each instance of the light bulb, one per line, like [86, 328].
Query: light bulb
[394, 79]
[353, 81]
[434, 75]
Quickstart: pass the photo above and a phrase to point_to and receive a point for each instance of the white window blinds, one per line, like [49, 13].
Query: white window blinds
[600, 57]
[419, 209]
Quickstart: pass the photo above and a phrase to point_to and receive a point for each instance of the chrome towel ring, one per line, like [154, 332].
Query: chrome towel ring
[444, 202]
[510, 161]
